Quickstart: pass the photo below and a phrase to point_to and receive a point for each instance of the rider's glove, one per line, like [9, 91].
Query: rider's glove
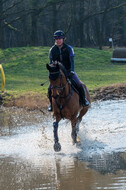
[70, 74]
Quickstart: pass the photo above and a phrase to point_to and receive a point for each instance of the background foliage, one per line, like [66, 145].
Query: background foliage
[87, 23]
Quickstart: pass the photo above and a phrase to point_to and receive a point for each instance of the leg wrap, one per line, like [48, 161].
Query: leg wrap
[74, 135]
[55, 127]
[49, 92]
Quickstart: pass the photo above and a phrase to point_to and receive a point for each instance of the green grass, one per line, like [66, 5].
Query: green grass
[25, 68]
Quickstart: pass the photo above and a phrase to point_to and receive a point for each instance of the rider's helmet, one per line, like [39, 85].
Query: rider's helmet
[59, 34]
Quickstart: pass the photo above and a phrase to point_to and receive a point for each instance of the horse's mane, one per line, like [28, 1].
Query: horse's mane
[61, 66]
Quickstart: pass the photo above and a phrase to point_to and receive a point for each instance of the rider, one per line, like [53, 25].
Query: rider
[64, 54]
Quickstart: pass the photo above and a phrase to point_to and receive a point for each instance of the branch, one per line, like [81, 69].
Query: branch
[2, 2]
[103, 11]
[10, 26]
[4, 12]
[48, 4]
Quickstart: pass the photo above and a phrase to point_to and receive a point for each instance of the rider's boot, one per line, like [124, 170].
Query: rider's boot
[84, 101]
[50, 99]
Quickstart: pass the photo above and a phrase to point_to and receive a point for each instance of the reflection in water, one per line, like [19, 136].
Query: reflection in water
[27, 159]
[107, 163]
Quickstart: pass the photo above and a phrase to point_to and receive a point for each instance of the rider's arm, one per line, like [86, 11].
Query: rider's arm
[71, 57]
[50, 57]
[72, 63]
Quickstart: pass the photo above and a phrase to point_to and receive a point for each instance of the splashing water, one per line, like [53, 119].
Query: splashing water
[26, 150]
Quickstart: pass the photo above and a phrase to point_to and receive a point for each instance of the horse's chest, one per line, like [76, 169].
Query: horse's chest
[64, 113]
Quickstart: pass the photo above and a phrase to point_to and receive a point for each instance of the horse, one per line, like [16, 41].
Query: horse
[65, 101]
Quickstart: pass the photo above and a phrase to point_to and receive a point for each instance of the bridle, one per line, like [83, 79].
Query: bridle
[62, 87]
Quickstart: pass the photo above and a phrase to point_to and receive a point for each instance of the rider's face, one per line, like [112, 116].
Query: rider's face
[59, 42]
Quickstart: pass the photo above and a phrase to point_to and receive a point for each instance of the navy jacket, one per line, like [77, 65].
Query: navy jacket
[65, 55]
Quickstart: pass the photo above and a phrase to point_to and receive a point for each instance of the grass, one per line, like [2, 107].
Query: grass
[25, 68]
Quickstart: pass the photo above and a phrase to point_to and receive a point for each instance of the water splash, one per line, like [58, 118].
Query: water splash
[26, 150]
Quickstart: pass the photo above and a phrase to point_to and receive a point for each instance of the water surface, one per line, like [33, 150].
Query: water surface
[28, 161]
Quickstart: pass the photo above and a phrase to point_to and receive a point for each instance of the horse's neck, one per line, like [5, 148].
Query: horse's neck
[67, 89]
[65, 83]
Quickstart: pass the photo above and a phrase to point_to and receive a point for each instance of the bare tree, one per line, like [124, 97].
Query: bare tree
[86, 22]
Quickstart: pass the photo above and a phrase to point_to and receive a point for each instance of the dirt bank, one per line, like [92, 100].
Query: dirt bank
[32, 101]
[29, 101]
[112, 92]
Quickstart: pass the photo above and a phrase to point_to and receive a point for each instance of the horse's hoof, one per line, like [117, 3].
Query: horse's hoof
[57, 147]
[78, 139]
[74, 141]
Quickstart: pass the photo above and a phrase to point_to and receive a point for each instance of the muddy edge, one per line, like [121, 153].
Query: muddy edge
[35, 101]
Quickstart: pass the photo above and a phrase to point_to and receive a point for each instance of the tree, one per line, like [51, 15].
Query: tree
[8, 15]
[38, 7]
[1, 26]
[86, 22]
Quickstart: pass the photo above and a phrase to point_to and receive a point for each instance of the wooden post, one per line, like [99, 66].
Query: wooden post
[3, 78]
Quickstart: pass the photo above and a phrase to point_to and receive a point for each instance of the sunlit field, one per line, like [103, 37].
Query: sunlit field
[25, 68]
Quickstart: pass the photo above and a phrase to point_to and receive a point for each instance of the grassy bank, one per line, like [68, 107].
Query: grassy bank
[25, 68]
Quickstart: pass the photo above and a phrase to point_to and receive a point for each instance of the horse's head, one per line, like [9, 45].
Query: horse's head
[54, 71]
[57, 76]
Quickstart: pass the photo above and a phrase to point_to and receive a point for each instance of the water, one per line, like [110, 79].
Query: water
[28, 161]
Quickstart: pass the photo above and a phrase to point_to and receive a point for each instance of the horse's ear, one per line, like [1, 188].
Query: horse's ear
[47, 66]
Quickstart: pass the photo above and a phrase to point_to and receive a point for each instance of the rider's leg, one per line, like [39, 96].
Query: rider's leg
[80, 89]
[83, 97]
[50, 98]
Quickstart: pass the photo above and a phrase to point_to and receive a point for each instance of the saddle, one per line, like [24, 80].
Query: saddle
[78, 91]
[74, 86]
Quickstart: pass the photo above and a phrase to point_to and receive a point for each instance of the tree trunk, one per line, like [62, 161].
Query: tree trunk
[33, 29]
[1, 27]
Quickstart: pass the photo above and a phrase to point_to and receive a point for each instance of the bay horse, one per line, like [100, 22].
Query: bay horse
[65, 102]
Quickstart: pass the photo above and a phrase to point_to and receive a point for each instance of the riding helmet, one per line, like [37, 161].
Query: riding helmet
[59, 34]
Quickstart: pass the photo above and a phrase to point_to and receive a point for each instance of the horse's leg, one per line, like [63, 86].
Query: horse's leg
[74, 135]
[78, 123]
[74, 131]
[75, 125]
[82, 113]
[79, 119]
[57, 146]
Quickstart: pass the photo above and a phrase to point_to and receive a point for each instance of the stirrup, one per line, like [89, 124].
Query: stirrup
[50, 108]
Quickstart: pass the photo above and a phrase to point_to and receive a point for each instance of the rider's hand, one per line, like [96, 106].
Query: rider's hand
[71, 74]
